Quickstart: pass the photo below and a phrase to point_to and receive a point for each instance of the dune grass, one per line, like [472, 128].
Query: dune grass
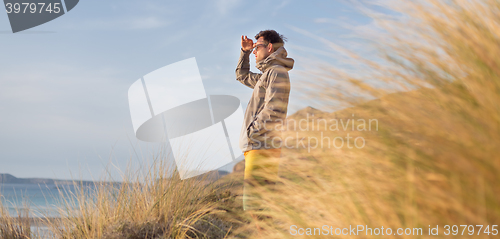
[150, 204]
[147, 203]
[433, 160]
[14, 227]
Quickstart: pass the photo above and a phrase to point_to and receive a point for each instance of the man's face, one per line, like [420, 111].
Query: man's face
[261, 50]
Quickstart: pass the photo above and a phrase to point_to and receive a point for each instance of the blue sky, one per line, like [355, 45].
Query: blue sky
[63, 85]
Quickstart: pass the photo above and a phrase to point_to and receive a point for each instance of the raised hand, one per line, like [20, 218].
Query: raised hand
[246, 44]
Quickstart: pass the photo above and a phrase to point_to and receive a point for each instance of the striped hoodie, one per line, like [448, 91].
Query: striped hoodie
[266, 111]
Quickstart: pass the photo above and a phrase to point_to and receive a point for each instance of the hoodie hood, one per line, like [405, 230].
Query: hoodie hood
[279, 57]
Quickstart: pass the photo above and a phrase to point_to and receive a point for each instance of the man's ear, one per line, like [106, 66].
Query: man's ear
[270, 48]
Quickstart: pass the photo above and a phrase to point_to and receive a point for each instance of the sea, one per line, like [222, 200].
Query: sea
[36, 200]
[39, 201]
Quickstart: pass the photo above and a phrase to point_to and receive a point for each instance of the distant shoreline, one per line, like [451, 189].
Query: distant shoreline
[9, 178]
[6, 178]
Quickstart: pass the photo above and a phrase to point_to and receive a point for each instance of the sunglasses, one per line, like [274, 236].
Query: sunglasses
[259, 45]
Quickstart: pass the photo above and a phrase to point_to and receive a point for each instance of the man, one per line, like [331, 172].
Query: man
[260, 138]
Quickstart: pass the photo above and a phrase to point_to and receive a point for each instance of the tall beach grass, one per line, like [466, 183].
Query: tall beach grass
[150, 204]
[434, 158]
[14, 227]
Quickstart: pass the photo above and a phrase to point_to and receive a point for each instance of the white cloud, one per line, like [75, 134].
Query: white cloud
[147, 23]
[280, 6]
[283, 4]
[119, 23]
[136, 23]
[226, 5]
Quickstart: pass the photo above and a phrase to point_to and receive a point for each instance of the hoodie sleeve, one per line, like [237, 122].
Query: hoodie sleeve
[243, 73]
[274, 110]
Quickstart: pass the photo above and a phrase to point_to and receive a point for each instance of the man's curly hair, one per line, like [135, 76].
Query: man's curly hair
[271, 36]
